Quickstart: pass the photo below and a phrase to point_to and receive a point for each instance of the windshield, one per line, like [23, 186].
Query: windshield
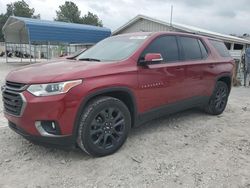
[77, 53]
[113, 48]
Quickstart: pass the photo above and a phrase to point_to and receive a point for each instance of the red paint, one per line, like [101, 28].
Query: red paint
[152, 57]
[152, 86]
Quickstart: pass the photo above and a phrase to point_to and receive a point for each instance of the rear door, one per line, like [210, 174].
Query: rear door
[194, 57]
[162, 83]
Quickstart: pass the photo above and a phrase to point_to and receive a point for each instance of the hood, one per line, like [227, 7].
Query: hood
[56, 71]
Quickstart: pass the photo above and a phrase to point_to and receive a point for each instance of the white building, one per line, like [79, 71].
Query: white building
[143, 23]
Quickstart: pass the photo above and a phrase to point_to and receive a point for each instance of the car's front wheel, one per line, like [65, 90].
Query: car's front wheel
[218, 100]
[104, 126]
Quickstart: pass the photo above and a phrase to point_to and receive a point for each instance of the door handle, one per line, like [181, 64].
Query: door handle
[179, 68]
[211, 66]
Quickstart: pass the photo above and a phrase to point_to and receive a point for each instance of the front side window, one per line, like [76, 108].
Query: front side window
[113, 48]
[166, 46]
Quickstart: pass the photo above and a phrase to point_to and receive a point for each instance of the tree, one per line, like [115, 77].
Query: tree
[3, 19]
[21, 8]
[68, 12]
[18, 8]
[92, 19]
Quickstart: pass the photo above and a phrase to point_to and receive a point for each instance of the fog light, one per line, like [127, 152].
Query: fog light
[53, 125]
[47, 128]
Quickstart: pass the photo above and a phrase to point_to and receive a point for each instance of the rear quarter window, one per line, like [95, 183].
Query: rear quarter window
[221, 48]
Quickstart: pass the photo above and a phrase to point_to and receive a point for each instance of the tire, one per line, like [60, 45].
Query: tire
[104, 126]
[218, 101]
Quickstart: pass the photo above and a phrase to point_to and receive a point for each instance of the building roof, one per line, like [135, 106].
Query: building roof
[23, 30]
[185, 28]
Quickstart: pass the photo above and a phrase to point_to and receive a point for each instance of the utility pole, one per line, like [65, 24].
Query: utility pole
[171, 17]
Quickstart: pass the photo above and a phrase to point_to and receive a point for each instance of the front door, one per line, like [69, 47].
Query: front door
[162, 83]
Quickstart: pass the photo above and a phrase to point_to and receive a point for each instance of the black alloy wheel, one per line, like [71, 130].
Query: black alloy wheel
[218, 100]
[107, 128]
[104, 126]
[221, 98]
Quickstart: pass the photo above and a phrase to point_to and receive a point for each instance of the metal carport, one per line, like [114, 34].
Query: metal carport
[20, 30]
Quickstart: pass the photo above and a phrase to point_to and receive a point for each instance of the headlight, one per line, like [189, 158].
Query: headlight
[52, 88]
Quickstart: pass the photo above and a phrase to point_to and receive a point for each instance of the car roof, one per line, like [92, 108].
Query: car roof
[176, 33]
[159, 33]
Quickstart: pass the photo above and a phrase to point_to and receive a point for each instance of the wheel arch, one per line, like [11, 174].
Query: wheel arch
[122, 93]
[227, 78]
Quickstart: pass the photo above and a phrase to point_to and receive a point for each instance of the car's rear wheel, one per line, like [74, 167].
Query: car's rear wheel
[218, 100]
[104, 126]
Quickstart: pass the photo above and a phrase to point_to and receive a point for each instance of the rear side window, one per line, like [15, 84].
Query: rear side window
[166, 46]
[191, 48]
[204, 53]
[221, 48]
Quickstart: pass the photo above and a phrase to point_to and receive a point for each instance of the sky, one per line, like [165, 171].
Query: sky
[228, 16]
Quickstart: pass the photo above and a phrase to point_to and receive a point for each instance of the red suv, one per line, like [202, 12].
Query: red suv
[94, 99]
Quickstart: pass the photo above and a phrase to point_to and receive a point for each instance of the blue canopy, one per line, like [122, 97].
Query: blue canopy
[25, 30]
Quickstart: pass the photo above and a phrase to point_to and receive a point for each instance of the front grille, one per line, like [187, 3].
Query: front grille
[12, 98]
[15, 86]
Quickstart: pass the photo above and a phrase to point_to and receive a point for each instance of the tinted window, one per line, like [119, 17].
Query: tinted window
[220, 47]
[166, 46]
[191, 48]
[203, 50]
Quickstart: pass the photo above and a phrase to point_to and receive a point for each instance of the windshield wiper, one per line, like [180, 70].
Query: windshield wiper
[89, 59]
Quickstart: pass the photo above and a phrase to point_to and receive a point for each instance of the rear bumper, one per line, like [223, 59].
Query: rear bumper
[60, 142]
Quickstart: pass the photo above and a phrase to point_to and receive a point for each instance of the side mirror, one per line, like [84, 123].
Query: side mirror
[151, 58]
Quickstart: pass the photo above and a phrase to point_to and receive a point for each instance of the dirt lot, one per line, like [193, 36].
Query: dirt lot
[188, 149]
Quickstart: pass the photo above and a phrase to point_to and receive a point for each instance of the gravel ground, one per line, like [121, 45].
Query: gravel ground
[188, 149]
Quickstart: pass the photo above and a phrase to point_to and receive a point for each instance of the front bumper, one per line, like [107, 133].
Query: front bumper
[62, 142]
[60, 108]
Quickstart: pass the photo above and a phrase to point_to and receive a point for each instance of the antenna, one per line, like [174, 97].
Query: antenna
[171, 16]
